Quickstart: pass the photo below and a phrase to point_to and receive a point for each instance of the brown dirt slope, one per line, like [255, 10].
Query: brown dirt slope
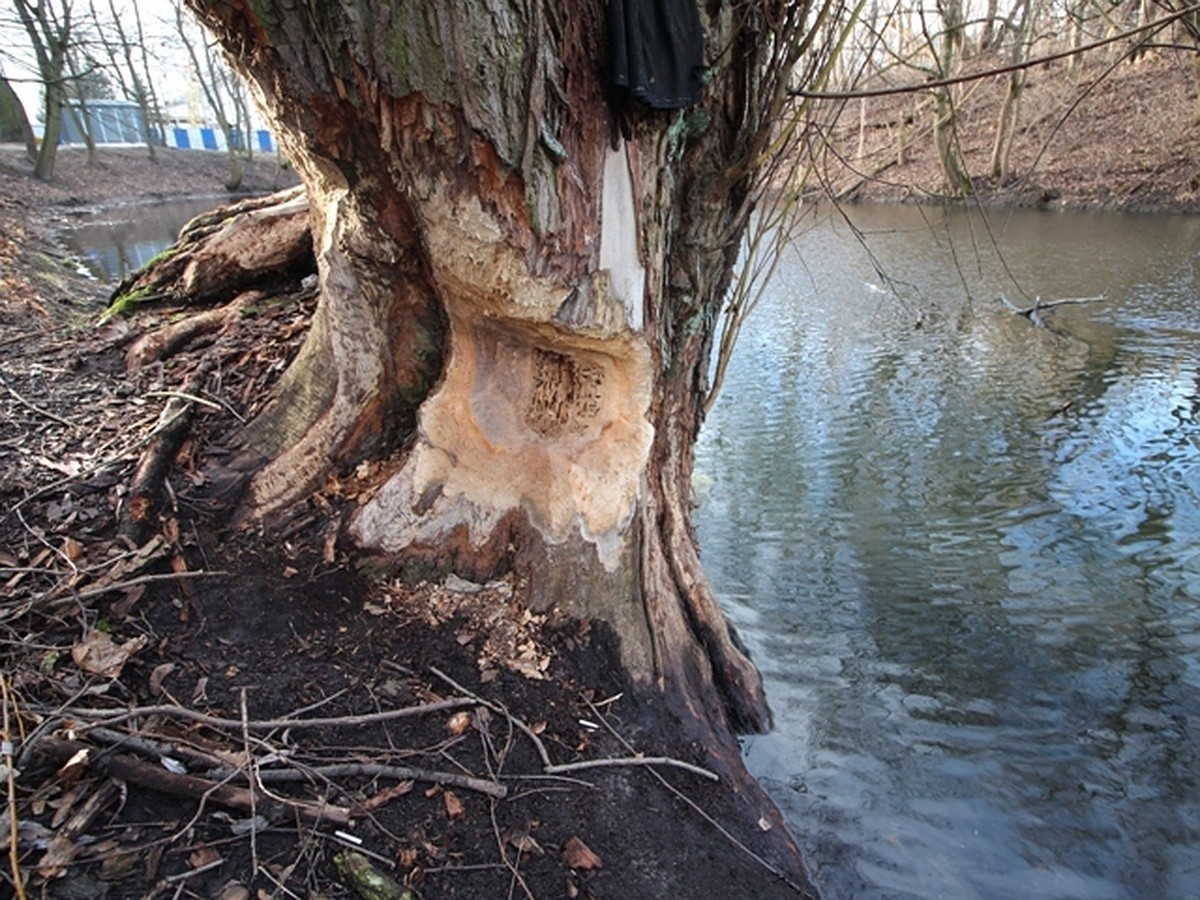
[1121, 136]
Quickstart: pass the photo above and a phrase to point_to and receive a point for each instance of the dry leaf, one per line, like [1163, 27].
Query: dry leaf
[98, 654]
[63, 807]
[387, 795]
[578, 855]
[115, 866]
[158, 676]
[73, 768]
[234, 891]
[517, 835]
[72, 549]
[203, 856]
[454, 806]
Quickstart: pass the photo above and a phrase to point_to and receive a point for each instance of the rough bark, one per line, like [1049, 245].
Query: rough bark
[516, 307]
[14, 123]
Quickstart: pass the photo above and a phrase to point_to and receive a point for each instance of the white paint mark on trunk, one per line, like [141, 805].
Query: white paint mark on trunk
[619, 238]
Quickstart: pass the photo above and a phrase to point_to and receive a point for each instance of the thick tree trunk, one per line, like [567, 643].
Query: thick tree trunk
[516, 310]
[14, 123]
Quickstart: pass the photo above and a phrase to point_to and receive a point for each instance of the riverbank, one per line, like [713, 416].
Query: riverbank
[411, 724]
[1114, 137]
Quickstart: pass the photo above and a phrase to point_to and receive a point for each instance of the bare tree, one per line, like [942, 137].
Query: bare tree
[222, 91]
[947, 43]
[48, 27]
[1022, 30]
[522, 268]
[127, 52]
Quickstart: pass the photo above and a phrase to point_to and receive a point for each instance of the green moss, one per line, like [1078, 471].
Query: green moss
[161, 256]
[124, 304]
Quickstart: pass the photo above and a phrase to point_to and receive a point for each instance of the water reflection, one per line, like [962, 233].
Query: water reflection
[118, 240]
[966, 552]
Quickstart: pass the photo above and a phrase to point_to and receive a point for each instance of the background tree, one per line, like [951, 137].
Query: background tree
[87, 82]
[521, 269]
[947, 44]
[14, 122]
[128, 62]
[48, 27]
[223, 93]
[1022, 28]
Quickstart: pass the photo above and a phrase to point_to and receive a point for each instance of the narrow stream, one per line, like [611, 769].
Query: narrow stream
[965, 551]
[117, 240]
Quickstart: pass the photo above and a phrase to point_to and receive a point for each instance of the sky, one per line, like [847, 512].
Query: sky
[171, 74]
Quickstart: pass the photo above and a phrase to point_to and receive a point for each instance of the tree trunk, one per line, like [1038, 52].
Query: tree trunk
[516, 309]
[1010, 107]
[14, 123]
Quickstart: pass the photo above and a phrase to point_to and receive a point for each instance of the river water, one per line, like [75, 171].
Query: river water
[965, 551]
[116, 240]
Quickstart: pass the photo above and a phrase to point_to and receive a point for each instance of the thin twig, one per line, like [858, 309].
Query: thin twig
[252, 774]
[14, 823]
[191, 873]
[102, 589]
[496, 707]
[191, 715]
[184, 395]
[774, 870]
[33, 406]
[632, 761]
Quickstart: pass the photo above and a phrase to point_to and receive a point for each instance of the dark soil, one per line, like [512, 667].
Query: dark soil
[201, 634]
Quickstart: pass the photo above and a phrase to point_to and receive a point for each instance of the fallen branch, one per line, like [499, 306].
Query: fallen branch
[1033, 313]
[134, 771]
[65, 846]
[191, 715]
[380, 770]
[145, 488]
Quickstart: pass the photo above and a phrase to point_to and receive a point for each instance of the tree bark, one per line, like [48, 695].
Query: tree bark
[516, 307]
[14, 122]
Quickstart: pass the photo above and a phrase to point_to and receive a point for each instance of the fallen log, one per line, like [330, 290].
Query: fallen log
[133, 771]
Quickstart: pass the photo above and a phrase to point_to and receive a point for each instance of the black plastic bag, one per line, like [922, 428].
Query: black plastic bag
[656, 51]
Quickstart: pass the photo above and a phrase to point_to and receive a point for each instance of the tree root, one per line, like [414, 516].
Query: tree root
[145, 490]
